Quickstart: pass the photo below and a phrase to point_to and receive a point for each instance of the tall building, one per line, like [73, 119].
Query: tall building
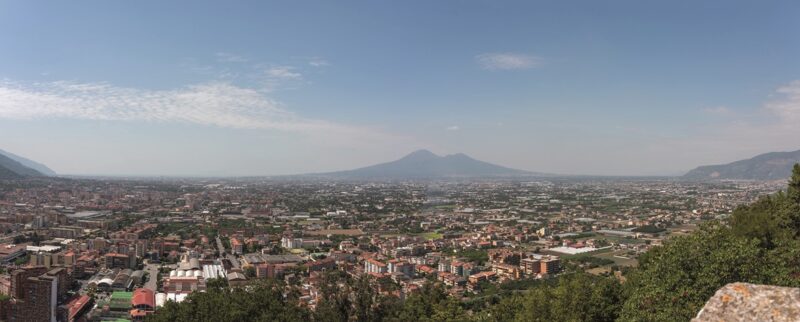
[118, 260]
[540, 264]
[374, 266]
[41, 299]
[531, 266]
[37, 293]
[550, 265]
[291, 243]
[18, 278]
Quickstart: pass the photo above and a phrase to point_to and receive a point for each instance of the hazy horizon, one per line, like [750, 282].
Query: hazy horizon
[278, 88]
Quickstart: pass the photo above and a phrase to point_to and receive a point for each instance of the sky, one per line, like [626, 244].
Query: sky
[231, 88]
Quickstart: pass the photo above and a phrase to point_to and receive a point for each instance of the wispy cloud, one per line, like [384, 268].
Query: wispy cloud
[772, 126]
[275, 78]
[283, 72]
[507, 61]
[318, 62]
[226, 57]
[453, 128]
[236, 69]
[786, 103]
[718, 110]
[217, 104]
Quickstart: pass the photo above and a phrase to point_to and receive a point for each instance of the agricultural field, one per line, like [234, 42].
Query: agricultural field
[619, 257]
[431, 235]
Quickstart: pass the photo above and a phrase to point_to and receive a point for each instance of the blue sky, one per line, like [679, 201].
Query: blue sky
[263, 87]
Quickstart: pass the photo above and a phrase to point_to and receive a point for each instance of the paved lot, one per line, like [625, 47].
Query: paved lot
[152, 283]
[230, 257]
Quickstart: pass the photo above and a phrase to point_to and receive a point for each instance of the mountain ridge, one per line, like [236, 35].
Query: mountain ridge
[39, 167]
[11, 169]
[766, 166]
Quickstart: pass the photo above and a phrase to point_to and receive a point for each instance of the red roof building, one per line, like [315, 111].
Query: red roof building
[138, 315]
[144, 299]
[78, 306]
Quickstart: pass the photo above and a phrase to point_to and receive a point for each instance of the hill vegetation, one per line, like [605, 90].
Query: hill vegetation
[11, 169]
[41, 168]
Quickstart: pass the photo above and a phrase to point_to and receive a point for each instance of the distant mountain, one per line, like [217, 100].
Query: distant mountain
[5, 173]
[41, 168]
[10, 169]
[767, 166]
[425, 164]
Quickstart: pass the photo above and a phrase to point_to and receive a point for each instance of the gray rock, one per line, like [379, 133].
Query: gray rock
[750, 302]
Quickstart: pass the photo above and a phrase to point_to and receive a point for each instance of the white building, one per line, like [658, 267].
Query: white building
[291, 243]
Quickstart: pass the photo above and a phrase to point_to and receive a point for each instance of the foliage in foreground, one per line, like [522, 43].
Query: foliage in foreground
[261, 302]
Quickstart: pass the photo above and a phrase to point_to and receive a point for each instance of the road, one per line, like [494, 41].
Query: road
[220, 246]
[152, 282]
[229, 256]
[234, 261]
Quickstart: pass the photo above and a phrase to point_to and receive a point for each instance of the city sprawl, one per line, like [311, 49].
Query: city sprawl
[100, 249]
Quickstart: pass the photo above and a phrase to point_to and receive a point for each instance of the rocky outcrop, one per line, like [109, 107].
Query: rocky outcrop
[750, 302]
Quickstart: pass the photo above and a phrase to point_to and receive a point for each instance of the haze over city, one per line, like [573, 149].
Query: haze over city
[395, 161]
[211, 89]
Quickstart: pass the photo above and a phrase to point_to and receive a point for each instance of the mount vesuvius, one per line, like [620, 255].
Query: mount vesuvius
[423, 164]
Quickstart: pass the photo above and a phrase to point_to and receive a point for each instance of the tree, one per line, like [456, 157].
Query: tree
[430, 303]
[335, 304]
[576, 297]
[259, 302]
[601, 242]
[449, 310]
[91, 291]
[772, 219]
[794, 184]
[250, 272]
[217, 283]
[365, 298]
[763, 220]
[345, 299]
[505, 310]
[674, 281]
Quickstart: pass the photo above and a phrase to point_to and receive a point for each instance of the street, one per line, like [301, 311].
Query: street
[152, 282]
[229, 256]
